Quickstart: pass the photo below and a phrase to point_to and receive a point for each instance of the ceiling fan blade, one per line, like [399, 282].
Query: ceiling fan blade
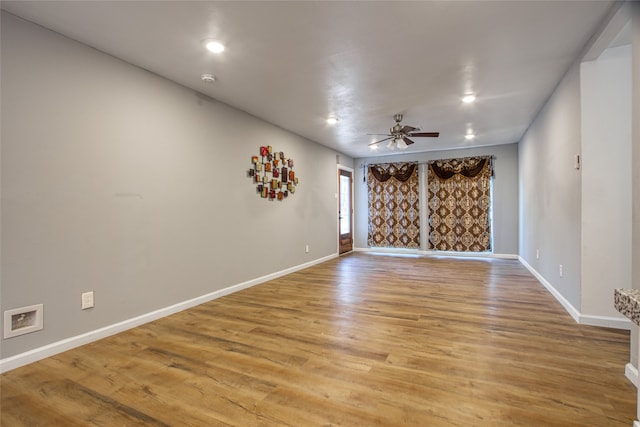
[408, 129]
[382, 140]
[425, 134]
[407, 140]
[378, 134]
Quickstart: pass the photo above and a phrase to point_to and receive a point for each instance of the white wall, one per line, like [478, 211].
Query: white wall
[635, 171]
[119, 181]
[550, 190]
[606, 179]
[505, 193]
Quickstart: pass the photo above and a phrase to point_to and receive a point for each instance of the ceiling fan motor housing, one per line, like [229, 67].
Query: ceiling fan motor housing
[398, 134]
[397, 128]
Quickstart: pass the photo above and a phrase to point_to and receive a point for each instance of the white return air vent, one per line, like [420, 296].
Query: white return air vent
[20, 321]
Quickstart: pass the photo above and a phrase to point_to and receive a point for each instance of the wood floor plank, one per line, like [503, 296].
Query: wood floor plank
[363, 340]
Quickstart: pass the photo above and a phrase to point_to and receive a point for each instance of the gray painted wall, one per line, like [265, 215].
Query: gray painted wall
[550, 189]
[606, 179]
[505, 193]
[635, 171]
[119, 181]
[565, 212]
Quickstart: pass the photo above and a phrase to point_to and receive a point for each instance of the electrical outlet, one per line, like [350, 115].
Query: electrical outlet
[87, 300]
[560, 271]
[306, 249]
[537, 253]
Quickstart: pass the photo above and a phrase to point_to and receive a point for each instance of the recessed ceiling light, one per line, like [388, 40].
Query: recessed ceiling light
[469, 136]
[208, 78]
[468, 99]
[332, 120]
[213, 45]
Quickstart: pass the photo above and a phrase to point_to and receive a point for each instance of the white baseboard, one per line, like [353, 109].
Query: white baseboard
[389, 250]
[631, 373]
[436, 253]
[605, 321]
[469, 254]
[636, 424]
[52, 349]
[583, 319]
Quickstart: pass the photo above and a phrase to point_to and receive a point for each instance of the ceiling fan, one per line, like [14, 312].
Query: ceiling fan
[398, 135]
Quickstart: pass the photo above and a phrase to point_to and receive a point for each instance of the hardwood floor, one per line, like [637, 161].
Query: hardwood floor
[363, 340]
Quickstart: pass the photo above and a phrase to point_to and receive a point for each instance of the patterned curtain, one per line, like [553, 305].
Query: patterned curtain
[394, 219]
[459, 202]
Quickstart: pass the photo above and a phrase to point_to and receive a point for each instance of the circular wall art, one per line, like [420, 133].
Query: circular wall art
[273, 174]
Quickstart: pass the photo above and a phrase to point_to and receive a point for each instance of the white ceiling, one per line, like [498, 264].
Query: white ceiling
[295, 63]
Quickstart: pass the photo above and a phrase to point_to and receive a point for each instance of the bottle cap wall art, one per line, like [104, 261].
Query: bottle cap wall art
[273, 174]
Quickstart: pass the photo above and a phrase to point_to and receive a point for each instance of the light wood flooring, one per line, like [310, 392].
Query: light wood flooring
[363, 340]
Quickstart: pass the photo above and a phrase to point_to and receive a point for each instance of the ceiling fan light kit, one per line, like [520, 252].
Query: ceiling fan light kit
[398, 135]
[401, 144]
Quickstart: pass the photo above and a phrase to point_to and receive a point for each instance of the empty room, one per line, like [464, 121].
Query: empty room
[319, 213]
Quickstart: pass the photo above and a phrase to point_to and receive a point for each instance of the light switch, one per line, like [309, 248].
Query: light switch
[87, 300]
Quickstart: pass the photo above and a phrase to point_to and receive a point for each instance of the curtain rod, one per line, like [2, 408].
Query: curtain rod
[492, 157]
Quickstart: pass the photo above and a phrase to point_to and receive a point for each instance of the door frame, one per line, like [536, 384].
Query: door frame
[340, 167]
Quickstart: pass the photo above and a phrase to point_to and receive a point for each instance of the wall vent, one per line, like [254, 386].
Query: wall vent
[20, 321]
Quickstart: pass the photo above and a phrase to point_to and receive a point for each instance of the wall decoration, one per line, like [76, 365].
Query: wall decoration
[273, 182]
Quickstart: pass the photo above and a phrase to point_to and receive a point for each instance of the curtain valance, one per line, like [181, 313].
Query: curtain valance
[469, 167]
[400, 171]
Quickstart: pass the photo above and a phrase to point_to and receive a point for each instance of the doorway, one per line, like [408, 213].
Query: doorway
[345, 211]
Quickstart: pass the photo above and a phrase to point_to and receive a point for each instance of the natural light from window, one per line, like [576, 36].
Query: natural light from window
[345, 198]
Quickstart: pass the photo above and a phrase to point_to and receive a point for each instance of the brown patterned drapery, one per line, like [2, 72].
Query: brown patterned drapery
[394, 219]
[459, 192]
